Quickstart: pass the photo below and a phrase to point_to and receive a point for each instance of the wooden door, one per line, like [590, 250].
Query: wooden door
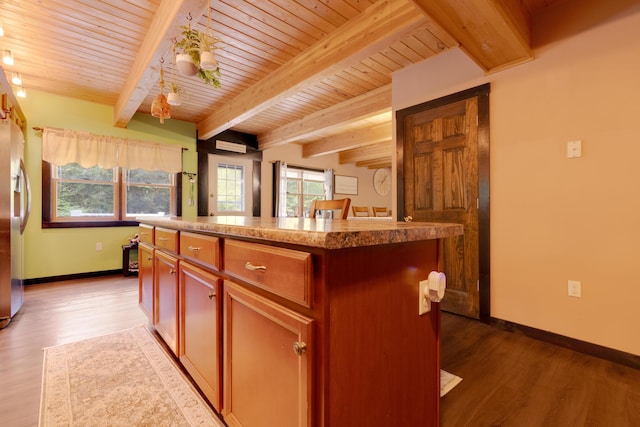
[145, 279]
[267, 362]
[200, 331]
[440, 183]
[165, 270]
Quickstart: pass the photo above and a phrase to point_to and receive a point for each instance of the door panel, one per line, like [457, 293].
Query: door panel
[440, 180]
[236, 190]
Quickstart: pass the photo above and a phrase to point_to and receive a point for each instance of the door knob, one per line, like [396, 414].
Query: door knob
[299, 348]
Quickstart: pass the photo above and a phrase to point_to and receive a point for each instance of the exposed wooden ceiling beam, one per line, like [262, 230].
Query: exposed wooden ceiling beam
[143, 75]
[382, 150]
[375, 28]
[371, 103]
[350, 140]
[375, 164]
[495, 34]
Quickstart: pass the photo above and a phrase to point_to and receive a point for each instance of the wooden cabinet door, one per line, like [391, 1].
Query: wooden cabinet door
[267, 362]
[166, 298]
[200, 330]
[145, 280]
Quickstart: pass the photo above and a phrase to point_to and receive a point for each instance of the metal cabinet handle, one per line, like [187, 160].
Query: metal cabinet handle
[172, 271]
[164, 239]
[211, 295]
[193, 249]
[299, 348]
[149, 259]
[252, 267]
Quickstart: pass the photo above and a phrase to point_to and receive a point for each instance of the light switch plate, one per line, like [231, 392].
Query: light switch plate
[574, 149]
[574, 288]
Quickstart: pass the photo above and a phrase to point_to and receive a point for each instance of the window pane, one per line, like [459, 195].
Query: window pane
[84, 199]
[141, 176]
[148, 200]
[293, 186]
[230, 188]
[313, 187]
[74, 171]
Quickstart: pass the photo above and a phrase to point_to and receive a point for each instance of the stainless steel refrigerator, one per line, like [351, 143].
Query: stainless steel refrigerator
[15, 203]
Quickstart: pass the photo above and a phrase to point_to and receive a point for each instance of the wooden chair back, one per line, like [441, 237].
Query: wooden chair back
[360, 210]
[381, 211]
[330, 205]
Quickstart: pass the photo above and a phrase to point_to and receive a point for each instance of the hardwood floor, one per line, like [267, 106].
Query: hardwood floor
[508, 379]
[53, 314]
[512, 380]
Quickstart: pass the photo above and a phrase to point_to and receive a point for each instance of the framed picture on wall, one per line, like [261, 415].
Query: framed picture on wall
[345, 184]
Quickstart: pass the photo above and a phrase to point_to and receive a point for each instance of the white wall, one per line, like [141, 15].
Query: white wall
[554, 219]
[292, 154]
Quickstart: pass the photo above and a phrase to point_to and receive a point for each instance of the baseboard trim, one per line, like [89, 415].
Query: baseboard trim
[88, 275]
[612, 355]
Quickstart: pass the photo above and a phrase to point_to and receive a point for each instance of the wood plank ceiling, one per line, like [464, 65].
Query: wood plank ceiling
[312, 72]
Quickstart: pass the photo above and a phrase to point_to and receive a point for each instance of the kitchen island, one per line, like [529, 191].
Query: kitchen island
[299, 322]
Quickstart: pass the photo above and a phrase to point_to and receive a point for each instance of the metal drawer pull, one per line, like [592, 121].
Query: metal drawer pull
[193, 249]
[211, 295]
[299, 348]
[172, 271]
[164, 239]
[252, 267]
[149, 259]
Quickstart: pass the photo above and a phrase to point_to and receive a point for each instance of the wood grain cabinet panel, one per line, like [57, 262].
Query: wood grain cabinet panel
[166, 239]
[201, 249]
[200, 329]
[165, 268]
[145, 280]
[267, 362]
[146, 234]
[285, 272]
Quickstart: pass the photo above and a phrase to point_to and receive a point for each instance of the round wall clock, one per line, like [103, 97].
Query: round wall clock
[382, 181]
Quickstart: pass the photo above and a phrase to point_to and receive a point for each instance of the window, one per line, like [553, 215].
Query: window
[148, 193]
[230, 181]
[303, 185]
[230, 188]
[74, 196]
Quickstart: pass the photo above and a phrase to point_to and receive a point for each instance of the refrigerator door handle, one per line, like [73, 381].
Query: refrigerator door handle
[27, 198]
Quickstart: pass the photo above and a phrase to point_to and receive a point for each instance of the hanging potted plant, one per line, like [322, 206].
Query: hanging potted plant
[196, 53]
[207, 44]
[188, 60]
[173, 97]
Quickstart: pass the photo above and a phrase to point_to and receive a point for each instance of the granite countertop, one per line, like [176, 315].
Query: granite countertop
[321, 233]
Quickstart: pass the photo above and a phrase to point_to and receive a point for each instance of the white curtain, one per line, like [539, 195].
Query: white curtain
[328, 184]
[63, 146]
[281, 188]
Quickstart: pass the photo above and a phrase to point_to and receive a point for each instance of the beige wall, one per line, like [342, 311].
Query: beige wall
[554, 219]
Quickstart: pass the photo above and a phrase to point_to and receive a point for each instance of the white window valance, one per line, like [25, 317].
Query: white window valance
[64, 146]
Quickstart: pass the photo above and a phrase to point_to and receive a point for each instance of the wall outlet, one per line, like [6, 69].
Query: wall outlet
[424, 303]
[98, 246]
[574, 289]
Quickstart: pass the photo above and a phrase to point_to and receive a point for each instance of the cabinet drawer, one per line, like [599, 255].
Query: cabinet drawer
[145, 233]
[167, 239]
[282, 271]
[203, 249]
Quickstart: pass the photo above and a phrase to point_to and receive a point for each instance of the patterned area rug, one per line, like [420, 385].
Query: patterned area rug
[122, 379]
[447, 382]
